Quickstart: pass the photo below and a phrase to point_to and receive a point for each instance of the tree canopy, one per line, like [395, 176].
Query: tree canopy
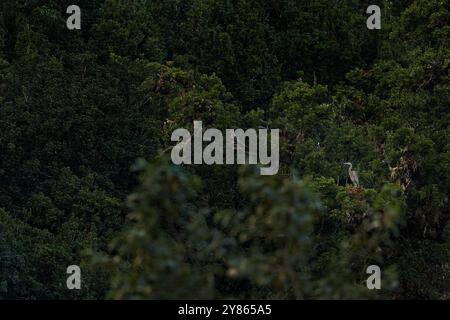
[85, 123]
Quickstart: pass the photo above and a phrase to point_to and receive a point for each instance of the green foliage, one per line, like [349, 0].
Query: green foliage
[77, 108]
[33, 261]
[267, 249]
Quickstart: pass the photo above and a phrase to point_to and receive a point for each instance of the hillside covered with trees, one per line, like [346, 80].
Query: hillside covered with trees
[86, 118]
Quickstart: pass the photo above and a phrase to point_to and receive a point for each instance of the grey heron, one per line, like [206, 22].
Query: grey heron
[352, 174]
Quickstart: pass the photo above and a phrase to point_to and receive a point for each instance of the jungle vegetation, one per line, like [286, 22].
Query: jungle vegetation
[86, 118]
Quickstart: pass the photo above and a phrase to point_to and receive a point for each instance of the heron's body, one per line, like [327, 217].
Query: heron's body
[352, 174]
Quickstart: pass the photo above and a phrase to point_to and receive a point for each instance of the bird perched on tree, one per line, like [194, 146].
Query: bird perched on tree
[352, 174]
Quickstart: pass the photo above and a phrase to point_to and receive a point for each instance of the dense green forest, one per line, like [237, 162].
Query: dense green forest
[85, 123]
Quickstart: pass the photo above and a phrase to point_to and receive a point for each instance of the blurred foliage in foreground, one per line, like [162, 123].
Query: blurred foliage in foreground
[275, 246]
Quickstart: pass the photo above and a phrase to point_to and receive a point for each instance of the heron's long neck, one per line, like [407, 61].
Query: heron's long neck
[350, 167]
